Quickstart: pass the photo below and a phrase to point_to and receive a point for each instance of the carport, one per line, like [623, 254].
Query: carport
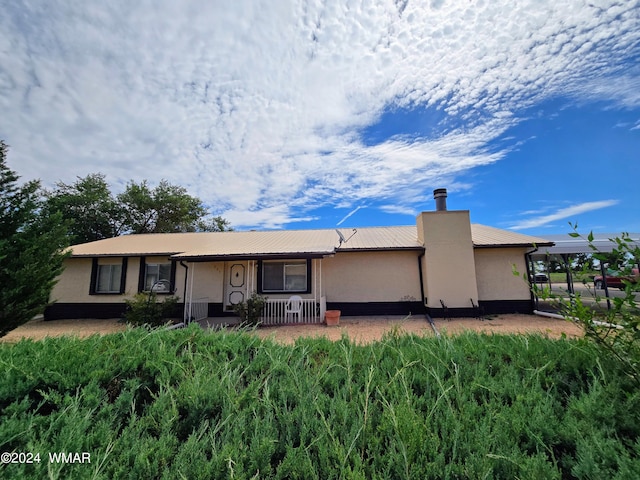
[566, 246]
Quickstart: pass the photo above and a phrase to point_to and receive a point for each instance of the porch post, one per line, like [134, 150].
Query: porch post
[248, 279]
[315, 289]
[193, 268]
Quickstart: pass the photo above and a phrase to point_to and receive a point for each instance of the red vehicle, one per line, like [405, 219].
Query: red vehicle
[616, 280]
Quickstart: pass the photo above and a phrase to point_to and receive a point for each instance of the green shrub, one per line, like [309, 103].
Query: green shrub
[144, 309]
[250, 311]
[194, 404]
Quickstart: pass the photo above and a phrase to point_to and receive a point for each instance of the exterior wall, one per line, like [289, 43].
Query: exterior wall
[448, 265]
[208, 280]
[358, 283]
[494, 271]
[71, 295]
[74, 283]
[370, 283]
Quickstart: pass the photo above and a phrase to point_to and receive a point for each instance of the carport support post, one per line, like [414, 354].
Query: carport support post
[531, 275]
[567, 266]
[604, 284]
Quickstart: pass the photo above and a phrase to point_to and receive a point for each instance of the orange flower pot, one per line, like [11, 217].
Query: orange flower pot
[332, 317]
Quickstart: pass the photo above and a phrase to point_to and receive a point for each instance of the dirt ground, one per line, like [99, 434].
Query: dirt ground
[360, 329]
[366, 330]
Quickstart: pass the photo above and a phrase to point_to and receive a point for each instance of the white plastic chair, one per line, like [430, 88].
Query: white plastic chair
[293, 307]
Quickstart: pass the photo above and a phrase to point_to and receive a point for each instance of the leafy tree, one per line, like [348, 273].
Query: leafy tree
[614, 328]
[32, 244]
[164, 209]
[213, 224]
[91, 209]
[583, 262]
[95, 213]
[614, 260]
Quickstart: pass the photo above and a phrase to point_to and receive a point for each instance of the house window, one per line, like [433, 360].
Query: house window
[285, 276]
[109, 278]
[158, 277]
[108, 275]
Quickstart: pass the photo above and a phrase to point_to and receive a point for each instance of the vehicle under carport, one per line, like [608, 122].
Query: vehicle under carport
[564, 250]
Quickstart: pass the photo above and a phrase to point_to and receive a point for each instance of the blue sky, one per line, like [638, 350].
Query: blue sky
[316, 114]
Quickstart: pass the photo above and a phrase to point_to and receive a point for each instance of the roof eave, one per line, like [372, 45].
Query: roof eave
[381, 249]
[244, 257]
[514, 245]
[123, 254]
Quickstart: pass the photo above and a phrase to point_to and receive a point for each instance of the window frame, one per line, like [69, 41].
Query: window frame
[292, 261]
[96, 266]
[155, 261]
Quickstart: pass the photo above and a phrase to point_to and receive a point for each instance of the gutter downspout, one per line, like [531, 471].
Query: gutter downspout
[184, 295]
[424, 302]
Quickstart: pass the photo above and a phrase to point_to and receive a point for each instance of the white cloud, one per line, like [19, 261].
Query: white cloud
[399, 210]
[563, 213]
[257, 107]
[349, 215]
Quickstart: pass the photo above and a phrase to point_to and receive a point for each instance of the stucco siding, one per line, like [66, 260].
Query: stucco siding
[371, 277]
[449, 268]
[494, 270]
[208, 280]
[73, 286]
[74, 283]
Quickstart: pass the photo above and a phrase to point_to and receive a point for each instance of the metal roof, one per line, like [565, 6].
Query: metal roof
[380, 238]
[565, 244]
[220, 245]
[484, 237]
[137, 245]
[308, 243]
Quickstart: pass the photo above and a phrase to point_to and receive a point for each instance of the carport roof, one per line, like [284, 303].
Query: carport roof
[565, 244]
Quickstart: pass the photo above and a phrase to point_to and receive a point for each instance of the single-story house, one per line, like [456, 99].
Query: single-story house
[442, 264]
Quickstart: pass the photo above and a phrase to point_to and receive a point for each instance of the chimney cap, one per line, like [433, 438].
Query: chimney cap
[440, 196]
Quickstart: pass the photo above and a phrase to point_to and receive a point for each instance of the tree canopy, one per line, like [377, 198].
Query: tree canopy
[94, 212]
[164, 209]
[32, 243]
[90, 208]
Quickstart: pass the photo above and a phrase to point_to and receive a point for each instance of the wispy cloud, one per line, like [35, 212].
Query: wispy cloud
[349, 215]
[258, 111]
[563, 213]
[399, 209]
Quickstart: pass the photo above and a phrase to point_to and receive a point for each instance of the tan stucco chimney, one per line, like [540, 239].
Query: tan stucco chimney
[449, 263]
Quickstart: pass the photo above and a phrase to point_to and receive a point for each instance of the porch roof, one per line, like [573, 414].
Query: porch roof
[260, 244]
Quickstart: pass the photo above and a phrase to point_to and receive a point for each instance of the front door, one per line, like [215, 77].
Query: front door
[235, 285]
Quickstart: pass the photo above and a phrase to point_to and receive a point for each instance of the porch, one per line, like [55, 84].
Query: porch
[293, 296]
[287, 311]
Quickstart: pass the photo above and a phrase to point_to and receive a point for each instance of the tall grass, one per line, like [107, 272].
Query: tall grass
[193, 404]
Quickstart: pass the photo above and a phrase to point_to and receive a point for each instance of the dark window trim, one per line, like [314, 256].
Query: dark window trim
[284, 292]
[143, 272]
[123, 274]
[93, 283]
